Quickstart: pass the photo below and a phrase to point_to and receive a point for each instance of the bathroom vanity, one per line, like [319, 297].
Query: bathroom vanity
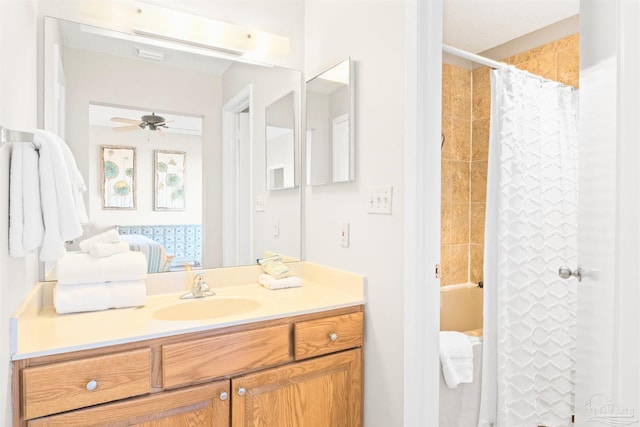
[295, 359]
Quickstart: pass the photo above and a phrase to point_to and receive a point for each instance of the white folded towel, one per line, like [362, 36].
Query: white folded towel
[99, 296]
[76, 268]
[107, 249]
[270, 282]
[456, 357]
[109, 236]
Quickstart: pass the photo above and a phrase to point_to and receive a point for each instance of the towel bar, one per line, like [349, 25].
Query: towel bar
[9, 135]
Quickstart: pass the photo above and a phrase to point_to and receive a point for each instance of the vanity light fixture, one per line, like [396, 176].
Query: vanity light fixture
[170, 45]
[149, 54]
[205, 32]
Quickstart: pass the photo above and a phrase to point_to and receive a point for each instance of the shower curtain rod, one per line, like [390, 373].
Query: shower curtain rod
[472, 57]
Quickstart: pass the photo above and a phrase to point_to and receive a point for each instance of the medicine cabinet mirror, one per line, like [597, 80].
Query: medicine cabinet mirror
[330, 138]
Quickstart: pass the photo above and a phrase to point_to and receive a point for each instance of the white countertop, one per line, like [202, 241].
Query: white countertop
[37, 330]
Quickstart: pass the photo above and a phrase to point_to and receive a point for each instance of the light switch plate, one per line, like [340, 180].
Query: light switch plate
[379, 200]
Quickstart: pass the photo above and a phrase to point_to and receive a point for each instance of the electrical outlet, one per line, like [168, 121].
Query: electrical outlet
[276, 228]
[380, 199]
[344, 234]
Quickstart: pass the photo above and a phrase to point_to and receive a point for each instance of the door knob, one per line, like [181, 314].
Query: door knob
[566, 272]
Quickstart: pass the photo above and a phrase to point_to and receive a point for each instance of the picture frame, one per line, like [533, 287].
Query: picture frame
[169, 180]
[118, 166]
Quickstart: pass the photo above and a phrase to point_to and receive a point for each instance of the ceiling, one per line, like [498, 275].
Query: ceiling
[479, 25]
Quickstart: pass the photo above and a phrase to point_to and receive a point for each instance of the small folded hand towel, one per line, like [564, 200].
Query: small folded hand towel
[273, 283]
[100, 250]
[456, 357]
[110, 236]
[99, 296]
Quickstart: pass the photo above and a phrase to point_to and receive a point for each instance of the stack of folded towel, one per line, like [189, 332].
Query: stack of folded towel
[276, 274]
[104, 275]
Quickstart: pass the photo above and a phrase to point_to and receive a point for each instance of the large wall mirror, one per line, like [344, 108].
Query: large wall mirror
[196, 125]
[330, 138]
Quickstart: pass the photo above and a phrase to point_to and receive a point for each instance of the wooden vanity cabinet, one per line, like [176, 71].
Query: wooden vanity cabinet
[299, 371]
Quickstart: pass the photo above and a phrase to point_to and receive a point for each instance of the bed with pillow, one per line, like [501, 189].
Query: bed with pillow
[167, 247]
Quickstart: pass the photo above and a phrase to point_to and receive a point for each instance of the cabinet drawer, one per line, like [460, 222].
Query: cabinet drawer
[59, 387]
[327, 335]
[208, 358]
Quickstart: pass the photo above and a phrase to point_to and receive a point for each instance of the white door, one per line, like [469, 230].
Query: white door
[608, 251]
[236, 184]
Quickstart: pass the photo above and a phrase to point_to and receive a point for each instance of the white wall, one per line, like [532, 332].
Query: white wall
[373, 34]
[18, 111]
[106, 79]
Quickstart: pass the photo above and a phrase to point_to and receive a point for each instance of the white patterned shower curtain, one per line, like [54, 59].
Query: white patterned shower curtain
[531, 230]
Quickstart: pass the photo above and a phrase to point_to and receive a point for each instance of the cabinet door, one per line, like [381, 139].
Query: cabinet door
[197, 406]
[321, 392]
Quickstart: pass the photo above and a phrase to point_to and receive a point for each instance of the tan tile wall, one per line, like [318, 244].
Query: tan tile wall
[466, 107]
[456, 183]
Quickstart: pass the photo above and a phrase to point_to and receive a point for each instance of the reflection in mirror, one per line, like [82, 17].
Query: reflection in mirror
[330, 131]
[87, 67]
[280, 143]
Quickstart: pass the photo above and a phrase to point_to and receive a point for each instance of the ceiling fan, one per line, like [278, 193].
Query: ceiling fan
[151, 121]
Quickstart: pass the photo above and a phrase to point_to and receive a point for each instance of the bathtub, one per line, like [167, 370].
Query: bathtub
[461, 310]
[461, 307]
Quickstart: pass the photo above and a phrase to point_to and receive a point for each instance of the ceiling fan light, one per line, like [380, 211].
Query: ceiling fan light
[150, 54]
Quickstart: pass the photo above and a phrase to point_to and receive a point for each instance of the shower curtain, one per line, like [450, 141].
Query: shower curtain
[531, 230]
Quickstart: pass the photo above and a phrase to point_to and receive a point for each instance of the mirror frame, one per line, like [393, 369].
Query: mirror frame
[352, 117]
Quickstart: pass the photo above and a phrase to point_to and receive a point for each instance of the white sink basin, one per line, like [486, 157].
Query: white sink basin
[206, 308]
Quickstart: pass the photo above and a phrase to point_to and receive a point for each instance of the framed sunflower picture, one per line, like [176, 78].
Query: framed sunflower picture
[170, 169]
[118, 177]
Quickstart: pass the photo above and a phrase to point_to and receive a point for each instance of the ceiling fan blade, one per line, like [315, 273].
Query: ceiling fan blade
[124, 120]
[126, 128]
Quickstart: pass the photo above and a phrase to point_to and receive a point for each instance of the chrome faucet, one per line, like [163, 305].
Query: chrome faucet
[199, 288]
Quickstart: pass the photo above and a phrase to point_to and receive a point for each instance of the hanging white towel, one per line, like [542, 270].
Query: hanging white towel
[456, 357]
[26, 228]
[56, 195]
[76, 268]
[77, 182]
